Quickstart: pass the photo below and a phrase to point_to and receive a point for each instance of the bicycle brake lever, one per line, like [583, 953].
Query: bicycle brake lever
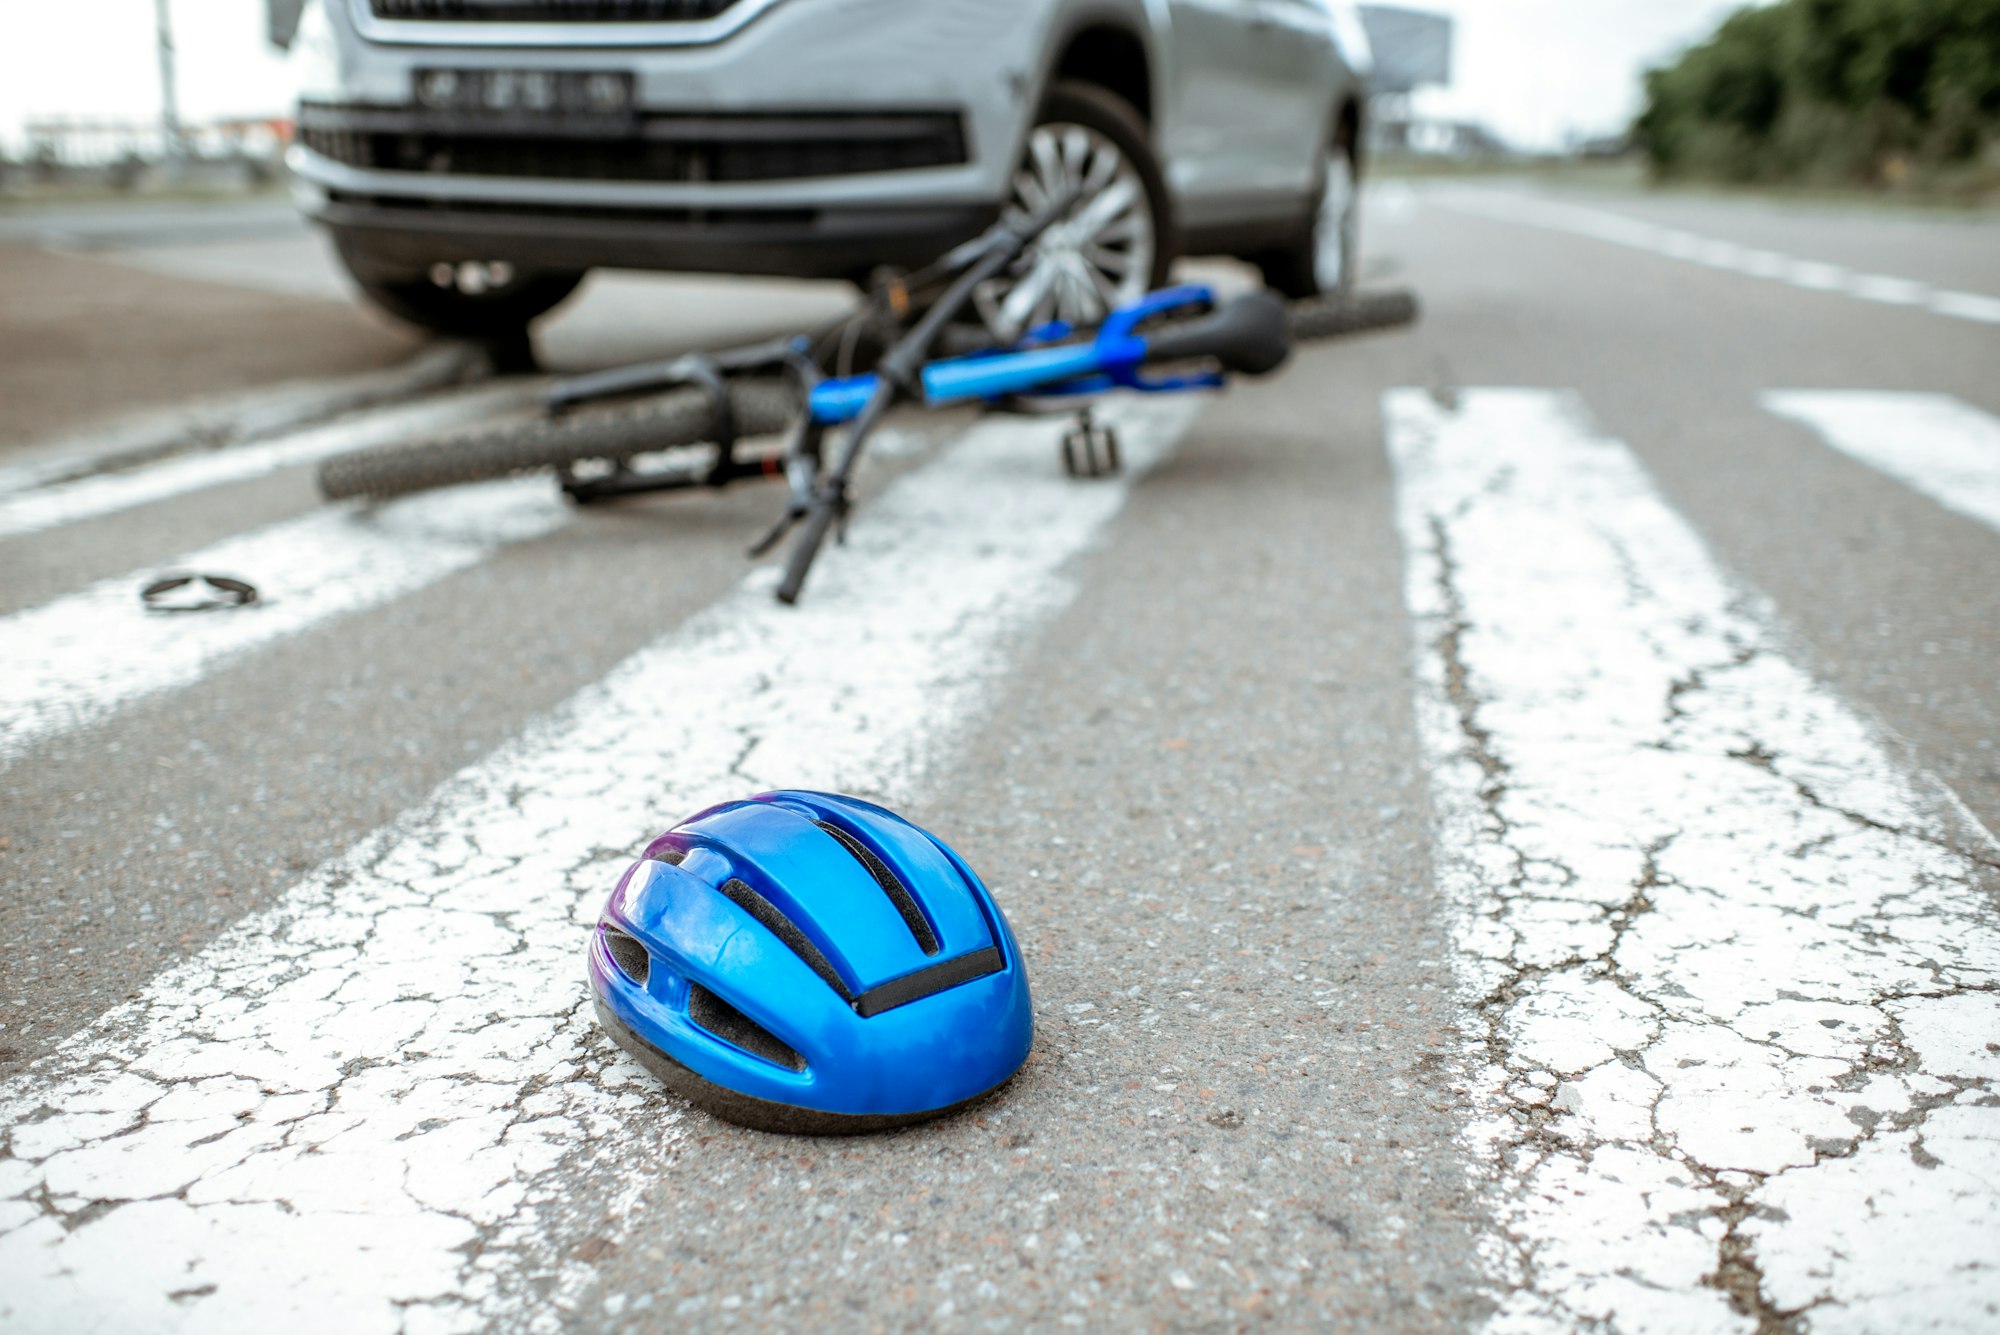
[801, 470]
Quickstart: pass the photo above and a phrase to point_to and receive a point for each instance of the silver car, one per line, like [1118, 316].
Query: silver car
[473, 159]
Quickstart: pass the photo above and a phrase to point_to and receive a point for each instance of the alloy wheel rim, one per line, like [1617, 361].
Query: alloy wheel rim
[1096, 258]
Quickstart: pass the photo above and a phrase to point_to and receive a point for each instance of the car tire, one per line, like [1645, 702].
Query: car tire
[464, 300]
[1322, 260]
[1089, 262]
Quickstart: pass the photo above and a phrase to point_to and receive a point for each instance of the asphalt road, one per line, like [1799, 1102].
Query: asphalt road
[1498, 816]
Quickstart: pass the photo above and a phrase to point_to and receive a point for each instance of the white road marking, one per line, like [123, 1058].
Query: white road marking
[1931, 443]
[69, 663]
[377, 1107]
[39, 508]
[1735, 976]
[1675, 243]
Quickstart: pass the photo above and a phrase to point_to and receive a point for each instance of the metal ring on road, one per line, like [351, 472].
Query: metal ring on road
[218, 592]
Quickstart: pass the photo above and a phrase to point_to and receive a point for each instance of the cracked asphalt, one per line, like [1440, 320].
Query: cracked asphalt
[1499, 822]
[1706, 917]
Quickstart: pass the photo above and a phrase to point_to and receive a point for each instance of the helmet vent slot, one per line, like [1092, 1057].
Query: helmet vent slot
[673, 857]
[929, 982]
[744, 897]
[899, 895]
[732, 1026]
[630, 957]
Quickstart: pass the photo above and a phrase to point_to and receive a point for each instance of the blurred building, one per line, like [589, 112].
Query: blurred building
[1412, 48]
[1413, 52]
[104, 153]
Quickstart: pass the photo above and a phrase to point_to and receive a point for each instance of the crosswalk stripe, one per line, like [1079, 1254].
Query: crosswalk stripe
[365, 1110]
[1933, 444]
[1734, 976]
[36, 509]
[1678, 244]
[70, 663]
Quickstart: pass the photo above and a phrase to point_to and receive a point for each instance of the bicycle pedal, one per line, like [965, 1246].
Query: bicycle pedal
[1090, 450]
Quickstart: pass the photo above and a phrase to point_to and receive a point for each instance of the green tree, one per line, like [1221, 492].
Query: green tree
[1830, 90]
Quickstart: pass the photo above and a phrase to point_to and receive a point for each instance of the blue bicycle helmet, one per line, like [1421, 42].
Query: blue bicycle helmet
[808, 963]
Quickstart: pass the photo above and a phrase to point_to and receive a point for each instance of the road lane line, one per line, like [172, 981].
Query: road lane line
[70, 663]
[373, 1108]
[36, 509]
[1675, 243]
[1933, 444]
[1735, 981]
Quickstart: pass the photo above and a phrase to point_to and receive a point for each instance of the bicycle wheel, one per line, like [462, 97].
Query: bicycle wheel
[612, 431]
[1333, 317]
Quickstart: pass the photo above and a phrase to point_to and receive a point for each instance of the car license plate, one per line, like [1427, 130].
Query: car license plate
[527, 94]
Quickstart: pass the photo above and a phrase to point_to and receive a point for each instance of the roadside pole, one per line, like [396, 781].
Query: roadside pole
[173, 141]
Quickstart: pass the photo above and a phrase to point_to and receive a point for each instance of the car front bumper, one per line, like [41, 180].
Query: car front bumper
[393, 235]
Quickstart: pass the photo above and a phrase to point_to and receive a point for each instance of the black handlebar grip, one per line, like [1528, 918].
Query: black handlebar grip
[1361, 313]
[1249, 335]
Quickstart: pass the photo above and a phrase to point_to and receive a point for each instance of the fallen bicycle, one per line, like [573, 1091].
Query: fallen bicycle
[776, 388]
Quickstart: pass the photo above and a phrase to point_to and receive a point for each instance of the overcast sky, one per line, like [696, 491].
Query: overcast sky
[1535, 70]
[1542, 71]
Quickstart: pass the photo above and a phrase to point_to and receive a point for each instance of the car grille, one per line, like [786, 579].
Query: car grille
[663, 148]
[550, 11]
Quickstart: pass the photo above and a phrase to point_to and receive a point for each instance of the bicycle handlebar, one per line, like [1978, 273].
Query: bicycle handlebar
[1247, 335]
